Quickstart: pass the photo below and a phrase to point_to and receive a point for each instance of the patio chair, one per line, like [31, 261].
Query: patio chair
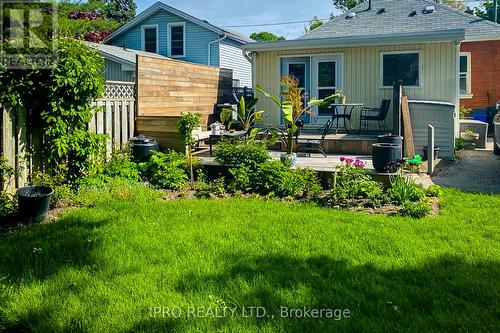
[311, 144]
[375, 114]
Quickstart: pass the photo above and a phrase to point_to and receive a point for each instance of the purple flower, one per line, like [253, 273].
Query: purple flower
[342, 159]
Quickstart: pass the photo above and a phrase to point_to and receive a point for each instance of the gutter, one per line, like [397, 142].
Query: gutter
[455, 35]
[210, 48]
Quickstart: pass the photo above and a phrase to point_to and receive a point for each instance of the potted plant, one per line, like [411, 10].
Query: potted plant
[187, 123]
[34, 202]
[469, 136]
[292, 107]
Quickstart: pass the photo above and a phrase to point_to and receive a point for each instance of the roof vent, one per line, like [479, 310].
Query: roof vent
[381, 11]
[413, 13]
[351, 16]
[429, 9]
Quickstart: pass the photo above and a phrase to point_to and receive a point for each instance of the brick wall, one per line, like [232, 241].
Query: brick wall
[485, 63]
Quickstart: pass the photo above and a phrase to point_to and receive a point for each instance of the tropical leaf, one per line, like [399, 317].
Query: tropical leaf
[226, 115]
[267, 95]
[287, 109]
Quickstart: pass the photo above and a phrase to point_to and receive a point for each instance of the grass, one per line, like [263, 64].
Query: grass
[102, 269]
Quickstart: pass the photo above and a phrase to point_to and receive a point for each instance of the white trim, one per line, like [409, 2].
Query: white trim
[420, 68]
[169, 42]
[143, 37]
[468, 84]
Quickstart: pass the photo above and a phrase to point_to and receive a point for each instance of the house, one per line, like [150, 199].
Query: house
[119, 62]
[365, 51]
[479, 52]
[172, 33]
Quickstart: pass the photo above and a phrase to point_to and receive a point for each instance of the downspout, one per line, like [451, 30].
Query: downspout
[209, 63]
[251, 59]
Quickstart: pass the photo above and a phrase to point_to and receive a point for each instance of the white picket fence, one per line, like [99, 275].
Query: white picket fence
[116, 117]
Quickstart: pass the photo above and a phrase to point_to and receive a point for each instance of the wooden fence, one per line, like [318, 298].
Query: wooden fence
[167, 88]
[22, 141]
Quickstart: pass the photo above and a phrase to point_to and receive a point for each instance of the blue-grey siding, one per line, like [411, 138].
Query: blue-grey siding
[231, 57]
[113, 72]
[197, 38]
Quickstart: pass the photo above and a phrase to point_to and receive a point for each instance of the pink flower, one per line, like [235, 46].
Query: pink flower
[342, 159]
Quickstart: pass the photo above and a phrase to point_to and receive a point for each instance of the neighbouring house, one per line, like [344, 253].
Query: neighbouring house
[119, 62]
[367, 50]
[172, 33]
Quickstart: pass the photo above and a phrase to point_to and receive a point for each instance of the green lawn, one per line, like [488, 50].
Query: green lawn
[102, 269]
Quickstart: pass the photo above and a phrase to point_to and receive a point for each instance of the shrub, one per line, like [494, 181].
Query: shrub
[205, 189]
[404, 189]
[416, 209]
[274, 178]
[352, 181]
[434, 191]
[121, 166]
[167, 170]
[241, 153]
[8, 204]
[63, 192]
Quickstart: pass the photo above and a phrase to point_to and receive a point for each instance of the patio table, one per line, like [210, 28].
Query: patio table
[336, 114]
[231, 135]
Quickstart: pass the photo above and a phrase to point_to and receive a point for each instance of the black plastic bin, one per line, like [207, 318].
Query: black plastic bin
[34, 202]
[385, 153]
[143, 147]
[425, 154]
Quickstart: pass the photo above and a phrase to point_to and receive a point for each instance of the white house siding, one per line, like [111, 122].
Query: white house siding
[231, 57]
[362, 72]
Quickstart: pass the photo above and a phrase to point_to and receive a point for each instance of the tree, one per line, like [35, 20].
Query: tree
[486, 11]
[313, 24]
[457, 4]
[345, 5]
[120, 10]
[265, 36]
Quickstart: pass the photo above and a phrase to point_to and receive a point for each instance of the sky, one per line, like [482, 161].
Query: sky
[224, 13]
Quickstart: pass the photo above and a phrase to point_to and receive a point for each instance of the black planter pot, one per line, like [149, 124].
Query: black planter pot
[425, 150]
[385, 153]
[34, 202]
[143, 147]
[394, 139]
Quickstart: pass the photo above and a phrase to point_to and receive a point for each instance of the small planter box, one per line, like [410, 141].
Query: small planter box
[475, 126]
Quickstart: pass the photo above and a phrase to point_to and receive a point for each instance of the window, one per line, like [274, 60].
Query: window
[465, 75]
[326, 83]
[150, 39]
[177, 37]
[403, 68]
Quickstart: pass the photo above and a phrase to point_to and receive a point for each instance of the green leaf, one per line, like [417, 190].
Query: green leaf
[267, 95]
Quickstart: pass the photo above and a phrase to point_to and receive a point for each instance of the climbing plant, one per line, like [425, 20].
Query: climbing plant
[58, 97]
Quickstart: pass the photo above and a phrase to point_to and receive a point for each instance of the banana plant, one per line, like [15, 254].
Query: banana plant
[246, 114]
[292, 106]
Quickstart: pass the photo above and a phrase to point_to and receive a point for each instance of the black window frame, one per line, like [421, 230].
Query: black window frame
[398, 77]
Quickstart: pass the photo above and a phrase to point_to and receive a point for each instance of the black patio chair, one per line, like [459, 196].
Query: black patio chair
[375, 114]
[309, 145]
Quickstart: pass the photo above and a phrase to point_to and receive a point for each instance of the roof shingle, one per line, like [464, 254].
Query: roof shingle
[397, 18]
